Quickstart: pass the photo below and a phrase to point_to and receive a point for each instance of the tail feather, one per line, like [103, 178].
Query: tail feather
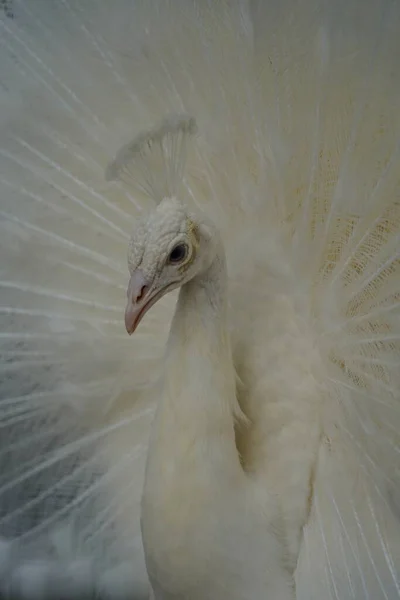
[297, 110]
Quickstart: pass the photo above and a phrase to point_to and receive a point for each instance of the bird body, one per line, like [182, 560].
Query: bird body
[201, 514]
[265, 396]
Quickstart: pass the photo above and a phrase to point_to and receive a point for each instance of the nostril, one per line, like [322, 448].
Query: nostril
[143, 291]
[139, 286]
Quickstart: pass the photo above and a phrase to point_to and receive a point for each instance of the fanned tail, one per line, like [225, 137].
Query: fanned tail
[343, 209]
[297, 110]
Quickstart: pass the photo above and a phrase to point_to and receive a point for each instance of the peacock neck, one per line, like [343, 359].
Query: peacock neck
[203, 302]
[200, 383]
[192, 459]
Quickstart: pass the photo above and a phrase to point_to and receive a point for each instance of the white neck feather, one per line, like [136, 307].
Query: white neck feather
[197, 405]
[199, 367]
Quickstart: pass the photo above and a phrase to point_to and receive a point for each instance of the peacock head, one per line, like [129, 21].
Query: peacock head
[166, 251]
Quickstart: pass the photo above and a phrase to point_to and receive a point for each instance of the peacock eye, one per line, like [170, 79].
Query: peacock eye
[178, 254]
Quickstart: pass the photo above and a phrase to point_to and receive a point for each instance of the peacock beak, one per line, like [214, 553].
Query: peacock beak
[138, 300]
[142, 295]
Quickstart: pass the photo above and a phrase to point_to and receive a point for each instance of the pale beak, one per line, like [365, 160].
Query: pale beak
[139, 300]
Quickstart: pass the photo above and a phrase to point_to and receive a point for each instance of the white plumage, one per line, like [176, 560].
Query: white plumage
[296, 163]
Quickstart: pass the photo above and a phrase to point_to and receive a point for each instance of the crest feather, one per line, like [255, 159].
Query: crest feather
[155, 160]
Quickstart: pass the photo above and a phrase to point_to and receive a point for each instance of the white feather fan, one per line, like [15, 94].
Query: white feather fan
[296, 104]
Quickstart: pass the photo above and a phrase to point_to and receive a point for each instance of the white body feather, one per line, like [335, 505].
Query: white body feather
[202, 517]
[297, 161]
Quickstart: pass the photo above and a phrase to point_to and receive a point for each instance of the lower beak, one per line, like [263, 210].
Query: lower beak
[131, 318]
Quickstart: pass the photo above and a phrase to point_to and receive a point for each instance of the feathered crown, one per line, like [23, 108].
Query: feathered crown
[155, 160]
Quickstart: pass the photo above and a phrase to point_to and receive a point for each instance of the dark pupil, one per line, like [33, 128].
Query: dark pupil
[178, 253]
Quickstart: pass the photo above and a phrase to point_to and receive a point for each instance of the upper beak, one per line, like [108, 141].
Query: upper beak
[138, 300]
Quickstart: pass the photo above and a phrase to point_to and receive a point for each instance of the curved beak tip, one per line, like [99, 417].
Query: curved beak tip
[129, 320]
